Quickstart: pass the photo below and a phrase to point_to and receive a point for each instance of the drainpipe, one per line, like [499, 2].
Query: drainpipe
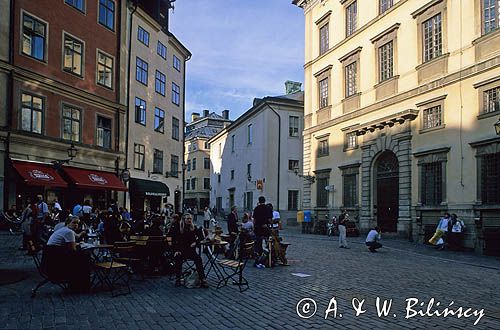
[183, 133]
[10, 103]
[279, 158]
[127, 119]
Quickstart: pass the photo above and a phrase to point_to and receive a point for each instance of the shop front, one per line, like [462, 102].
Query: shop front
[28, 179]
[147, 195]
[98, 187]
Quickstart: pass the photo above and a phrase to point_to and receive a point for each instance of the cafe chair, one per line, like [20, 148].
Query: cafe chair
[233, 269]
[35, 254]
[114, 272]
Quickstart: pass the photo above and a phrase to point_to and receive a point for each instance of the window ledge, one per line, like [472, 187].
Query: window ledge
[432, 61]
[484, 115]
[432, 129]
[351, 148]
[387, 81]
[486, 37]
[327, 107]
[347, 98]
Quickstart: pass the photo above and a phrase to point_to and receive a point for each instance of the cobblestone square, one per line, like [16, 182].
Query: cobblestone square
[401, 270]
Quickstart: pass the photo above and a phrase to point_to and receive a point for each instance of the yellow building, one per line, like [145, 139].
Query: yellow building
[401, 98]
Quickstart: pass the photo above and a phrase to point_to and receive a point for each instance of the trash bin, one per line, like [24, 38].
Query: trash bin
[307, 222]
[300, 216]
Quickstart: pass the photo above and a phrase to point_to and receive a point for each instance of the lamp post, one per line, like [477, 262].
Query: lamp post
[309, 178]
[72, 152]
[497, 126]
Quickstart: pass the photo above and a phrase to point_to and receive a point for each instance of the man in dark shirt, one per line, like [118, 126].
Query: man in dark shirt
[262, 217]
[232, 221]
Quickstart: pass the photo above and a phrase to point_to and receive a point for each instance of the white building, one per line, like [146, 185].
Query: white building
[256, 156]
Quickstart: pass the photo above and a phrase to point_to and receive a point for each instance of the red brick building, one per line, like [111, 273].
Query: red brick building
[65, 87]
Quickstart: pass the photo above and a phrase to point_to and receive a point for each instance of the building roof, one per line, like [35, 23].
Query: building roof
[212, 115]
[203, 132]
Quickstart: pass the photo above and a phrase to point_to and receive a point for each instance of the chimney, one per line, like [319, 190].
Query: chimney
[225, 114]
[194, 116]
[206, 113]
[292, 87]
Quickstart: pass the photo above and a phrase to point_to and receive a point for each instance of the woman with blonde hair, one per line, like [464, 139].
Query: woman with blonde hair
[185, 238]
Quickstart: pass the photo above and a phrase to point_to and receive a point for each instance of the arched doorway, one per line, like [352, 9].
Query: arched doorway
[387, 191]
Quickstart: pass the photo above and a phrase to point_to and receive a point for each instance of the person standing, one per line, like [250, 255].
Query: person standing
[372, 239]
[57, 206]
[262, 217]
[207, 215]
[86, 211]
[456, 230]
[232, 221]
[276, 217]
[41, 214]
[342, 229]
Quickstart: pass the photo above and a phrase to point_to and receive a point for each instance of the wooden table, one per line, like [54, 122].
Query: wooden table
[212, 255]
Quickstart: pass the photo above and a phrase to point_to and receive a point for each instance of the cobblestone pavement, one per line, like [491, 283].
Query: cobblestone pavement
[401, 270]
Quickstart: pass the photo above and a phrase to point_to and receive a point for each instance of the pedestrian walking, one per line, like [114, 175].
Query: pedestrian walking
[207, 215]
[343, 218]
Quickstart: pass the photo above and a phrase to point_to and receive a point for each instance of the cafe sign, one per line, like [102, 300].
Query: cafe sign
[97, 179]
[40, 175]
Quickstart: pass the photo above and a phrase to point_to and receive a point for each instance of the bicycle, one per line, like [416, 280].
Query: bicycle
[13, 222]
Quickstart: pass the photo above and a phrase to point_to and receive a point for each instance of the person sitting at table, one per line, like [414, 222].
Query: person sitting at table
[111, 230]
[185, 237]
[176, 219]
[61, 260]
[247, 227]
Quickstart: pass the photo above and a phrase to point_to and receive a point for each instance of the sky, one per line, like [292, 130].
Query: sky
[242, 49]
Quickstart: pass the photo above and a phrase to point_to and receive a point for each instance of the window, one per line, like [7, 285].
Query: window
[175, 128]
[177, 63]
[34, 37]
[218, 178]
[141, 71]
[194, 164]
[490, 178]
[159, 120]
[143, 36]
[207, 145]
[161, 50]
[188, 184]
[491, 15]
[71, 123]
[31, 113]
[78, 4]
[293, 164]
[323, 39]
[350, 190]
[432, 38]
[107, 13]
[140, 111]
[323, 93]
[351, 141]
[385, 61]
[350, 79]
[431, 183]
[176, 94]
[432, 117]
[220, 150]
[232, 143]
[385, 5]
[249, 134]
[160, 83]
[193, 183]
[157, 161]
[104, 70]
[73, 55]
[293, 200]
[189, 165]
[321, 192]
[249, 171]
[206, 163]
[351, 14]
[174, 166]
[491, 100]
[323, 148]
[206, 183]
[249, 200]
[293, 126]
[103, 132]
[139, 156]
[232, 174]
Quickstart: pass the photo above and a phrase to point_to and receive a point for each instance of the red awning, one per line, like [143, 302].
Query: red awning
[94, 179]
[37, 174]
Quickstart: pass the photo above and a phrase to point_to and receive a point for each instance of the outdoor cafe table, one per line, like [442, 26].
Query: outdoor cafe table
[213, 249]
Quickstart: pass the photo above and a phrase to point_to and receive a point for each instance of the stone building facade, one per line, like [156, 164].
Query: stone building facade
[401, 97]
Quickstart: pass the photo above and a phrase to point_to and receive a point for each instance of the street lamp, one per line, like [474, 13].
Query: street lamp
[310, 178]
[72, 151]
[497, 126]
